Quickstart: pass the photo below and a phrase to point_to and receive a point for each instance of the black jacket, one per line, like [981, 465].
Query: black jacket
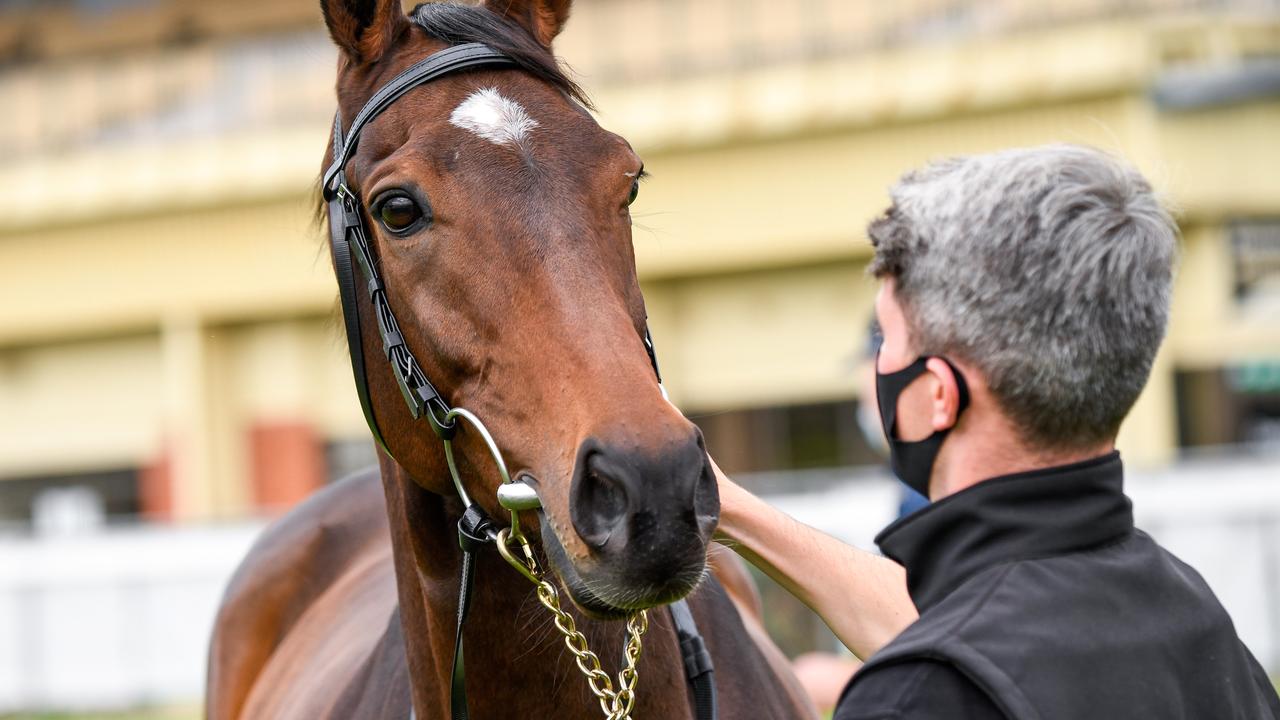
[1040, 600]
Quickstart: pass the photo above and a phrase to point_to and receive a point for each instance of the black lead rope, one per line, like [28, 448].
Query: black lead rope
[475, 530]
[698, 668]
[350, 246]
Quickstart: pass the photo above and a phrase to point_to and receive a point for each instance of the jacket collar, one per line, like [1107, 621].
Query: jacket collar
[1034, 514]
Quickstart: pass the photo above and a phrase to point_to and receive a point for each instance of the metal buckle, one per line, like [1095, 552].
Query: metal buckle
[528, 567]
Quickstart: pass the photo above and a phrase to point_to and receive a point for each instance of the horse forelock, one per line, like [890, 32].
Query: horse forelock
[455, 24]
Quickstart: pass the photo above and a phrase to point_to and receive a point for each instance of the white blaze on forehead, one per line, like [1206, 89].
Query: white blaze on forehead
[494, 118]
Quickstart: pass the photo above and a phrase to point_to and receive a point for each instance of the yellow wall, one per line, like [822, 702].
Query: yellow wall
[770, 337]
[79, 405]
[172, 293]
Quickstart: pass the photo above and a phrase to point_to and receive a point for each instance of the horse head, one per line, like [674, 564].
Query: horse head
[498, 213]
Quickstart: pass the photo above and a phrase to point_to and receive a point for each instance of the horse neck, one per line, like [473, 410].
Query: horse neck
[513, 651]
[422, 527]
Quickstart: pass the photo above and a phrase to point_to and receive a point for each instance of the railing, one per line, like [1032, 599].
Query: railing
[255, 83]
[120, 616]
[632, 40]
[114, 619]
[262, 81]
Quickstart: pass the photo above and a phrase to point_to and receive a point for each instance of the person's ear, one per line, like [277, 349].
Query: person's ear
[944, 394]
[364, 29]
[544, 19]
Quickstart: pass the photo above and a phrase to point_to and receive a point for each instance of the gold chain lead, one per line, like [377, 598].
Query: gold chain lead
[616, 704]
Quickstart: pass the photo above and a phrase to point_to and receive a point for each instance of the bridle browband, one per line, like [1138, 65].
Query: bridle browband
[348, 240]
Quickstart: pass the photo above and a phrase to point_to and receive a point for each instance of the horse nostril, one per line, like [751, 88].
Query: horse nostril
[661, 503]
[609, 499]
[706, 502]
[599, 506]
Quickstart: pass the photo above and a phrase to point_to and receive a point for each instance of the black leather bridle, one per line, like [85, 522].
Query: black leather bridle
[349, 240]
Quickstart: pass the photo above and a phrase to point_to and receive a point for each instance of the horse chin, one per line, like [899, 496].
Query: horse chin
[589, 600]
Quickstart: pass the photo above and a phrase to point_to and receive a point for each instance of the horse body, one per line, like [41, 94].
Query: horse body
[496, 211]
[303, 567]
[311, 628]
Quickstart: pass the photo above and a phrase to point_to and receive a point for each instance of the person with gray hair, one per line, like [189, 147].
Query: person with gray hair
[1024, 295]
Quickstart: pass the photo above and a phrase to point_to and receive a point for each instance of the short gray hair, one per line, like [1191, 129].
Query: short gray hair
[1048, 269]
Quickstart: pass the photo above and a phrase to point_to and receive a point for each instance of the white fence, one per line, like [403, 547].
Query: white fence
[117, 618]
[120, 617]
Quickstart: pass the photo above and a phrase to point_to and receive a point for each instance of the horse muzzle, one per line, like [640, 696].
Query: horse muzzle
[644, 518]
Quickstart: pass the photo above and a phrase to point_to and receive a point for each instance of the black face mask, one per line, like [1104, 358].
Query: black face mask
[912, 461]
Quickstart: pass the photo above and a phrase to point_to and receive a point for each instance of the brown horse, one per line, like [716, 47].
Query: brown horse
[498, 211]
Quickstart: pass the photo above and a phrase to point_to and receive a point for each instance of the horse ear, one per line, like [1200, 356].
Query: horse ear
[364, 29]
[544, 19]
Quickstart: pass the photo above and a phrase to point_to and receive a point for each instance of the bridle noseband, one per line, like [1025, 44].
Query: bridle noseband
[348, 240]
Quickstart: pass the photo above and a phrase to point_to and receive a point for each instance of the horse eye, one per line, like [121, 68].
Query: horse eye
[398, 213]
[635, 192]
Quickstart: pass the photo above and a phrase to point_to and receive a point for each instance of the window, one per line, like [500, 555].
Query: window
[26, 502]
[1239, 404]
[1255, 253]
[792, 437]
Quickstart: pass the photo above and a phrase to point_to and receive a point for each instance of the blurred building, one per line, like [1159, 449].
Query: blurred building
[167, 328]
[168, 340]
